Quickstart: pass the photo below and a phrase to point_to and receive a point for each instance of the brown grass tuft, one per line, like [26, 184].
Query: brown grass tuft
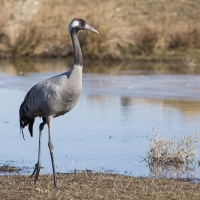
[146, 40]
[185, 39]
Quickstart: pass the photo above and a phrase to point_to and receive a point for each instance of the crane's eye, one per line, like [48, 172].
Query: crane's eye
[82, 23]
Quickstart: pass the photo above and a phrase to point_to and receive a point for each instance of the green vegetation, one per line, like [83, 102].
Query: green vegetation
[132, 29]
[96, 186]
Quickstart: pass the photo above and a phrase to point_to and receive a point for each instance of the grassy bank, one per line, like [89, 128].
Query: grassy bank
[96, 186]
[152, 29]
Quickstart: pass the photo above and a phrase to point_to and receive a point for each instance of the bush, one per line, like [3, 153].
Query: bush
[181, 150]
[185, 39]
[146, 40]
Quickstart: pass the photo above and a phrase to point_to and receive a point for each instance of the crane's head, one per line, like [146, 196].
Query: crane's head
[80, 24]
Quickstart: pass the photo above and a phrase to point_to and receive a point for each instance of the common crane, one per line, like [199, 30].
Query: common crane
[55, 96]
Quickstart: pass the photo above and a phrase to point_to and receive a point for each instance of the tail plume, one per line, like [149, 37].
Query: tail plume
[25, 120]
[21, 130]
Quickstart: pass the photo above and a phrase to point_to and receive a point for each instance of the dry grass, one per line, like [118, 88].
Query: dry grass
[146, 40]
[127, 29]
[174, 151]
[185, 39]
[96, 186]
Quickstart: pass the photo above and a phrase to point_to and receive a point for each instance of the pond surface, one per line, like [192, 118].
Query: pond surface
[107, 130]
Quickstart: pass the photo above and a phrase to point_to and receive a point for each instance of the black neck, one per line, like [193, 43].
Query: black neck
[78, 59]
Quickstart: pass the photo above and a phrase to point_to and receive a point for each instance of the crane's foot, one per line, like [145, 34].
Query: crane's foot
[36, 171]
[56, 187]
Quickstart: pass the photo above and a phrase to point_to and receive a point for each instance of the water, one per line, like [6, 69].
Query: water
[108, 128]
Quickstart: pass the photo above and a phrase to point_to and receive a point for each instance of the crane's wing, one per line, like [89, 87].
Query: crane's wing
[36, 101]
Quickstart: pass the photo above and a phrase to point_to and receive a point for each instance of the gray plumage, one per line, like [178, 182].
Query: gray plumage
[55, 96]
[52, 97]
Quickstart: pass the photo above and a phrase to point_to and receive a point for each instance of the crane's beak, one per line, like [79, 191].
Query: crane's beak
[89, 28]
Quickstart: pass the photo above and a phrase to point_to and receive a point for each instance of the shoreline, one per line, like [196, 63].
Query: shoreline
[186, 62]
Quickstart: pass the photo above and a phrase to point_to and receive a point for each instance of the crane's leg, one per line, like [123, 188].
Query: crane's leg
[49, 121]
[38, 165]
